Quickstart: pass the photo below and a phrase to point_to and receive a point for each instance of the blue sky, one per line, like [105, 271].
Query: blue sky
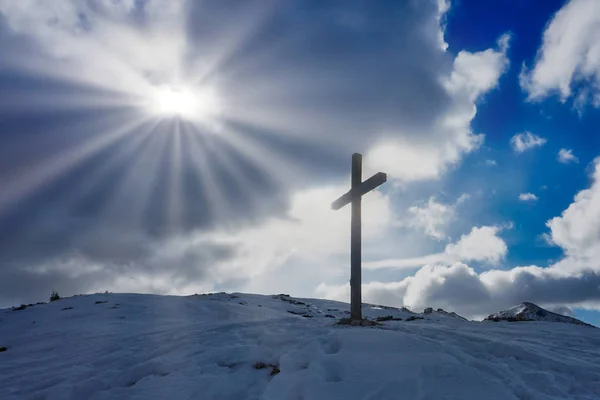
[180, 147]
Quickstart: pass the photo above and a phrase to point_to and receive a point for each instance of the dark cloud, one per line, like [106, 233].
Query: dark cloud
[306, 84]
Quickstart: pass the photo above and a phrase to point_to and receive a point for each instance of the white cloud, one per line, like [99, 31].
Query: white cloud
[490, 163]
[569, 54]
[472, 76]
[528, 197]
[481, 244]
[98, 44]
[577, 230]
[566, 156]
[525, 141]
[462, 198]
[433, 218]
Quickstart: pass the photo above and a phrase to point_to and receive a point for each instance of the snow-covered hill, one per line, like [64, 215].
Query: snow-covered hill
[240, 346]
[531, 312]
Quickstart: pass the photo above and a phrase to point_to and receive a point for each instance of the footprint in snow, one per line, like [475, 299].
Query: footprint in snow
[331, 344]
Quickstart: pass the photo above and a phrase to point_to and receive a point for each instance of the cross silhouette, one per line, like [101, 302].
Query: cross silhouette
[354, 196]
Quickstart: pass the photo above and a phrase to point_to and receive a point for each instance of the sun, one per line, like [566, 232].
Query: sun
[192, 104]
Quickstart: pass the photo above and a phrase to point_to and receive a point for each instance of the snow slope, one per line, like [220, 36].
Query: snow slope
[531, 312]
[129, 346]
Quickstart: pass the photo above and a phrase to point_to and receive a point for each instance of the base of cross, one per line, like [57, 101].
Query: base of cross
[357, 322]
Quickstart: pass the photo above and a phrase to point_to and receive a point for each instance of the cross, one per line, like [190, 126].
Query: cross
[354, 196]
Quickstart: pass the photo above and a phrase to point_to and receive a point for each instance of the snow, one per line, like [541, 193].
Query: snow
[130, 346]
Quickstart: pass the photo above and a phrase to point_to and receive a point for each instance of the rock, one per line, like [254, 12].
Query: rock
[428, 310]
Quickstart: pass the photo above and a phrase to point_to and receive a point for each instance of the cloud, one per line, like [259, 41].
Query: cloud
[458, 287]
[433, 217]
[472, 76]
[526, 141]
[490, 163]
[577, 229]
[481, 244]
[568, 55]
[566, 156]
[528, 197]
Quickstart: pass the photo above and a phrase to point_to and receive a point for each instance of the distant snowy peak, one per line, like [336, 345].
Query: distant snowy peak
[531, 312]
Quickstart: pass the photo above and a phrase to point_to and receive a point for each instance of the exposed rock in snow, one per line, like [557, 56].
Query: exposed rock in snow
[531, 312]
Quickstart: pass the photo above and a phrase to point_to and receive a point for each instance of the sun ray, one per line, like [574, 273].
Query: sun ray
[46, 172]
[223, 159]
[132, 194]
[233, 34]
[126, 151]
[175, 206]
[276, 166]
[198, 156]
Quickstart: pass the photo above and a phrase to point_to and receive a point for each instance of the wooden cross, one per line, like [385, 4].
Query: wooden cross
[354, 196]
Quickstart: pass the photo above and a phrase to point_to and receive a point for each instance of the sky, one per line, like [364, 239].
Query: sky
[174, 147]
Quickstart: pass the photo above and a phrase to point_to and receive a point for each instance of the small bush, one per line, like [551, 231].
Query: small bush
[3, 349]
[260, 365]
[54, 296]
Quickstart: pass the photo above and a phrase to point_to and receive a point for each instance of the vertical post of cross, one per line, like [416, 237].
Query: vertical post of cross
[354, 197]
[355, 240]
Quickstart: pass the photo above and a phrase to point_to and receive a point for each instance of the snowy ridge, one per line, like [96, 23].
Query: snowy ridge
[243, 346]
[531, 312]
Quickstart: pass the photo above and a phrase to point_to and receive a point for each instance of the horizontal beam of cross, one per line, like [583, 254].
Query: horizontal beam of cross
[365, 187]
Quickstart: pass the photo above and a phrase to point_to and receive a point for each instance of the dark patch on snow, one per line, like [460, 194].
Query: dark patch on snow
[261, 365]
[388, 318]
[357, 322]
